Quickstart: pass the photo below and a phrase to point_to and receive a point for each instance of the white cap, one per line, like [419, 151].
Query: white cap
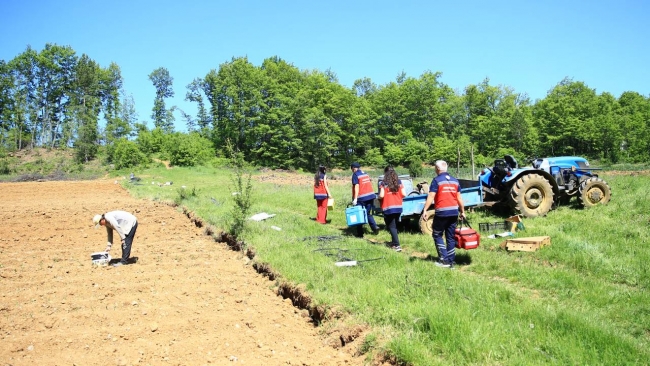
[96, 220]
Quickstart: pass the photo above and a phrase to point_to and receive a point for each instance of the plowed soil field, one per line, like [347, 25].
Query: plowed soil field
[187, 301]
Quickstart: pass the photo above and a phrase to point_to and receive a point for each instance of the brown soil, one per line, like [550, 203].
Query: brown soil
[632, 173]
[187, 301]
[286, 177]
[31, 155]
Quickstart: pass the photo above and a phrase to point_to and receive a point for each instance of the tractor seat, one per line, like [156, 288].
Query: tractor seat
[512, 162]
[500, 168]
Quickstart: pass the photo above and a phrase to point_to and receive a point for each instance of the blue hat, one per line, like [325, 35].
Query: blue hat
[355, 165]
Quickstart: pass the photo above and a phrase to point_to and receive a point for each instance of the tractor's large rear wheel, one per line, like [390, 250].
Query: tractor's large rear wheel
[426, 227]
[532, 195]
[594, 191]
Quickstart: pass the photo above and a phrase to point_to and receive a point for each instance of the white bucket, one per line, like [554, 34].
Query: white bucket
[100, 259]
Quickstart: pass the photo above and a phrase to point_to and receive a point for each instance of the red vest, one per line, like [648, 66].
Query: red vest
[392, 201]
[366, 191]
[320, 193]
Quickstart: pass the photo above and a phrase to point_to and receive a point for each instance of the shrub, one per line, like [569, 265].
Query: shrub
[126, 154]
[189, 149]
[151, 142]
[4, 167]
[184, 194]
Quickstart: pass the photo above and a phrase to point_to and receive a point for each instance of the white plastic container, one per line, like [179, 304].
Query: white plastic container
[100, 259]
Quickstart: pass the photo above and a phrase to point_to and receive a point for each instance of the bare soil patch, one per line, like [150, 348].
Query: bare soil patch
[287, 177]
[632, 173]
[45, 154]
[187, 301]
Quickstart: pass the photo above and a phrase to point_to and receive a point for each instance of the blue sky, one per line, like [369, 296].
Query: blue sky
[529, 46]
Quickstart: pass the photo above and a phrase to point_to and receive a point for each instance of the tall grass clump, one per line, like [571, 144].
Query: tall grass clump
[183, 194]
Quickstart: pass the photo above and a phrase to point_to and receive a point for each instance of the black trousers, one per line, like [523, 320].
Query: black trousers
[128, 240]
[391, 225]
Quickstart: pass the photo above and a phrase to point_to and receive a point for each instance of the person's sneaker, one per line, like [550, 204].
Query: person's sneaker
[443, 264]
[397, 248]
[375, 231]
[118, 264]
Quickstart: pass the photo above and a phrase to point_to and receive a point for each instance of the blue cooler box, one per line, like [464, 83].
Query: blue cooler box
[356, 215]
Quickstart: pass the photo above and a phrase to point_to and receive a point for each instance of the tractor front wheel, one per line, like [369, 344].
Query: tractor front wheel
[594, 191]
[426, 227]
[532, 195]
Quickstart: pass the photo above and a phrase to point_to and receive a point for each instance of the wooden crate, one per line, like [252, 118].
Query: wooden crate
[530, 244]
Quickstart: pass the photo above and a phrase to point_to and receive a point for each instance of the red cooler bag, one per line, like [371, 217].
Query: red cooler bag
[466, 237]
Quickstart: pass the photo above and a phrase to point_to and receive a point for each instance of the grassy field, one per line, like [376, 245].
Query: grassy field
[583, 300]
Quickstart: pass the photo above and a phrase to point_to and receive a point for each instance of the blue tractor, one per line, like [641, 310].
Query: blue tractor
[535, 190]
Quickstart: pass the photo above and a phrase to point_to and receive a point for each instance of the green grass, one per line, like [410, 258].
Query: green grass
[583, 300]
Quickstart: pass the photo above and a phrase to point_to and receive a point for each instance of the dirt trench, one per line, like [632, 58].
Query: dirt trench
[187, 301]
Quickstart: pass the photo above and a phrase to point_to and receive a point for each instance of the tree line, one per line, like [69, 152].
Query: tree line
[279, 116]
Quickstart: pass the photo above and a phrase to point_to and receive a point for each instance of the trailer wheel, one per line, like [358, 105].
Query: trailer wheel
[594, 191]
[426, 227]
[532, 195]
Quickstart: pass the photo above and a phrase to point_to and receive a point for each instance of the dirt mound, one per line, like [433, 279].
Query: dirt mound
[187, 300]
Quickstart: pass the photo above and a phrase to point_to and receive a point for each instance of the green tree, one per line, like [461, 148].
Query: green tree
[634, 118]
[87, 98]
[275, 138]
[234, 93]
[124, 125]
[389, 108]
[55, 75]
[195, 94]
[6, 103]
[424, 104]
[568, 120]
[119, 110]
[163, 83]
[364, 87]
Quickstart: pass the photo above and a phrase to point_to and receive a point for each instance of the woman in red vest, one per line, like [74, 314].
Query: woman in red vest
[391, 194]
[321, 194]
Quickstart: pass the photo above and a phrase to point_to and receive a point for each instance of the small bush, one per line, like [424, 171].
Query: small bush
[189, 149]
[125, 154]
[183, 194]
[5, 169]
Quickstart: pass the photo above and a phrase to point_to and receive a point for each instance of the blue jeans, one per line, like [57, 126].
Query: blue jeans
[371, 220]
[445, 225]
